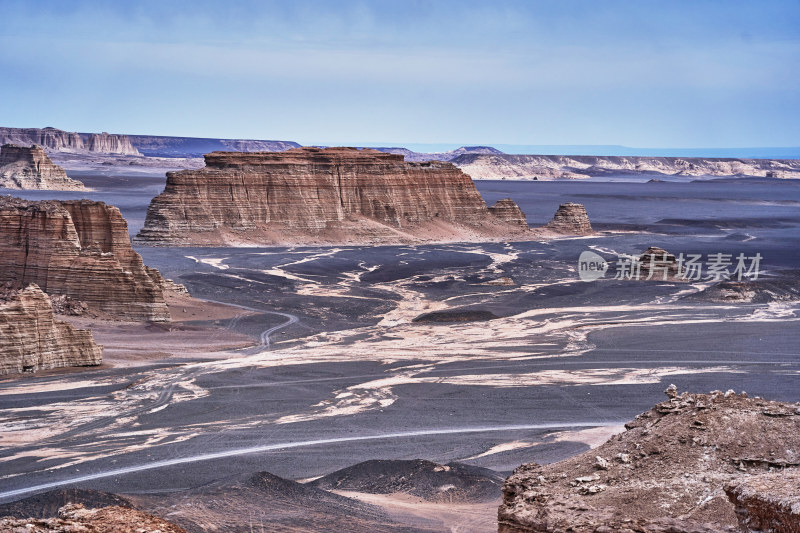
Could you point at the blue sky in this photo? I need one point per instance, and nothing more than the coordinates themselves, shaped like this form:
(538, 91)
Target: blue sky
(637, 73)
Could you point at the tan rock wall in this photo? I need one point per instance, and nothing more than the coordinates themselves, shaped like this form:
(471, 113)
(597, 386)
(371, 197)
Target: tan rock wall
(308, 192)
(28, 167)
(79, 249)
(32, 339)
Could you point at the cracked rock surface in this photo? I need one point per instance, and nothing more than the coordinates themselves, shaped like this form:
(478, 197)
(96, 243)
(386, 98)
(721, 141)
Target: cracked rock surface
(668, 472)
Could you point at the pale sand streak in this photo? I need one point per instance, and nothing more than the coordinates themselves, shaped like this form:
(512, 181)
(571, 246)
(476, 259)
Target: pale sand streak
(283, 446)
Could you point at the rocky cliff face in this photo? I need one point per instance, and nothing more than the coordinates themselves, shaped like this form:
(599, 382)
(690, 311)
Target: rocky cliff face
(31, 339)
(546, 167)
(571, 219)
(666, 472)
(106, 143)
(56, 140)
(311, 195)
(768, 502)
(23, 167)
(79, 249)
(508, 211)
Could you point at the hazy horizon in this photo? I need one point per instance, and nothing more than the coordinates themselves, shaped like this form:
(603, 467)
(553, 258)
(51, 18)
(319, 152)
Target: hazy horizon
(749, 152)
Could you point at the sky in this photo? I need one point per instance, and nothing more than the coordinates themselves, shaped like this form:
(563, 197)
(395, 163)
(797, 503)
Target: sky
(637, 73)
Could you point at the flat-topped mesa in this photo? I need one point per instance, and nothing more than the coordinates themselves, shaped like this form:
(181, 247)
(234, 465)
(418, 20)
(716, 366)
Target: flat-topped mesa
(313, 195)
(28, 167)
(79, 249)
(571, 219)
(31, 339)
(508, 211)
(55, 140)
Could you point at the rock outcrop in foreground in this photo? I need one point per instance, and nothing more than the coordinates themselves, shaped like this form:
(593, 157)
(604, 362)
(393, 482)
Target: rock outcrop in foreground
(74, 518)
(667, 472)
(23, 167)
(315, 196)
(768, 502)
(571, 219)
(79, 249)
(31, 339)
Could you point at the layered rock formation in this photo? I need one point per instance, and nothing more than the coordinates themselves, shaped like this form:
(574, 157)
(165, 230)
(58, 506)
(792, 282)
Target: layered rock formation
(571, 219)
(23, 167)
(75, 518)
(508, 211)
(106, 143)
(31, 339)
(666, 472)
(545, 167)
(56, 140)
(312, 195)
(657, 263)
(159, 146)
(79, 249)
(768, 502)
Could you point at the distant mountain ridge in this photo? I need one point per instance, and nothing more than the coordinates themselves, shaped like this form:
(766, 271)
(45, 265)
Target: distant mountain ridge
(410, 155)
(513, 162)
(56, 140)
(548, 167)
(161, 146)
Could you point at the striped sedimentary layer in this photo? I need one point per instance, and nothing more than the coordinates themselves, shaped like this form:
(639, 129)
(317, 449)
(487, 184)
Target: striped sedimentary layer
(28, 167)
(56, 140)
(79, 249)
(311, 195)
(32, 339)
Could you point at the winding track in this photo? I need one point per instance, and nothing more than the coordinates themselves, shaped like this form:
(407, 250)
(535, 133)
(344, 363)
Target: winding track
(265, 335)
(166, 393)
(288, 445)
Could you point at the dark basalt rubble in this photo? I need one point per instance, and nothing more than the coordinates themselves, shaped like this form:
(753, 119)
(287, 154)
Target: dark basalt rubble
(455, 315)
(453, 482)
(47, 504)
